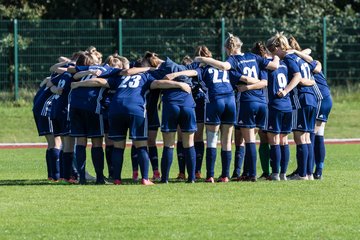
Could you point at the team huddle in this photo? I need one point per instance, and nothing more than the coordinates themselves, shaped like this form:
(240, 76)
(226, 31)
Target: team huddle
(276, 89)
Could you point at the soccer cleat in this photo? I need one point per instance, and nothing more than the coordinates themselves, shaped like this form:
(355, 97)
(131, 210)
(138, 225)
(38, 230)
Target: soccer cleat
(243, 178)
(310, 177)
(89, 177)
(146, 182)
(292, 174)
(235, 176)
(209, 180)
(198, 175)
(252, 179)
(117, 182)
(317, 177)
(223, 179)
(297, 177)
(275, 177)
(265, 176)
(190, 181)
(181, 176)
(283, 177)
(156, 176)
(135, 176)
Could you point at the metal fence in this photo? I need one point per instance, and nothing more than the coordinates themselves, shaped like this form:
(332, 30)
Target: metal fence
(29, 48)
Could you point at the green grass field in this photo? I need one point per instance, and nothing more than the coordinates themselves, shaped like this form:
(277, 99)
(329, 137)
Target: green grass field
(31, 208)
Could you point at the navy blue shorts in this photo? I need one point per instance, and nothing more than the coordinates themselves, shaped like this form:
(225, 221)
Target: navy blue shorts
(174, 115)
(279, 121)
(324, 110)
(61, 126)
(85, 123)
(120, 123)
(304, 119)
(153, 120)
(252, 115)
(44, 125)
(200, 110)
(221, 111)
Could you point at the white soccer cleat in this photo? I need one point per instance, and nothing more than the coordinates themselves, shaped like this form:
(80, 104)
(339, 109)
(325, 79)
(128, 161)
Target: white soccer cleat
(283, 177)
(297, 177)
(275, 177)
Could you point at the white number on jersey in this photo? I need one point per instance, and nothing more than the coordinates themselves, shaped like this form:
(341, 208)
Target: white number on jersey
(251, 72)
(282, 81)
(305, 69)
(60, 84)
(131, 82)
(216, 78)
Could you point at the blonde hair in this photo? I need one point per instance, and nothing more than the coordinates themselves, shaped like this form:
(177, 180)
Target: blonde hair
(202, 51)
(279, 40)
(95, 53)
(233, 43)
(294, 44)
(114, 60)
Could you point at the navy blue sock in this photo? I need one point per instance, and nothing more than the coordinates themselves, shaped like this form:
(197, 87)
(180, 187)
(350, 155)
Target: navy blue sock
(55, 168)
(166, 161)
(117, 159)
(143, 158)
(246, 167)
(134, 159)
(48, 163)
(154, 159)
(310, 162)
(67, 164)
(251, 152)
(108, 156)
(199, 149)
(239, 159)
(285, 157)
(210, 162)
(180, 156)
(190, 158)
(302, 155)
(225, 162)
(319, 154)
(61, 164)
(97, 156)
(81, 161)
(275, 155)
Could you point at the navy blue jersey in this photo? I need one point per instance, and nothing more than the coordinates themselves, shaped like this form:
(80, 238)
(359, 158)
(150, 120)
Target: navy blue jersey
(278, 80)
(89, 98)
(130, 95)
(320, 80)
(301, 95)
(217, 82)
(249, 64)
(43, 99)
(60, 102)
(174, 96)
(106, 70)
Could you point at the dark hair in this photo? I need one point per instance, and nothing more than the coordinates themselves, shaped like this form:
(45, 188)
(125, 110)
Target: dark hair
(202, 51)
(260, 49)
(85, 59)
(152, 58)
(186, 60)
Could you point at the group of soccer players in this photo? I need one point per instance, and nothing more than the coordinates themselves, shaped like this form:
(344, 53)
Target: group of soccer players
(274, 90)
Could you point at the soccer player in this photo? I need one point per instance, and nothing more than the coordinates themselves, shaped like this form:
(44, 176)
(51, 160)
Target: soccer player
(303, 100)
(178, 109)
(220, 112)
(279, 121)
(323, 111)
(252, 101)
(127, 111)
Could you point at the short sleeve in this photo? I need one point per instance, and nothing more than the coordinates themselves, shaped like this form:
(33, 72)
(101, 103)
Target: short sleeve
(263, 74)
(292, 66)
(114, 82)
(199, 73)
(262, 62)
(232, 62)
(82, 68)
(312, 65)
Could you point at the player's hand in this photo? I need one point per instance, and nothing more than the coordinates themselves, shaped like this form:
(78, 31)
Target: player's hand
(169, 76)
(96, 72)
(185, 87)
(290, 51)
(282, 93)
(242, 88)
(59, 90)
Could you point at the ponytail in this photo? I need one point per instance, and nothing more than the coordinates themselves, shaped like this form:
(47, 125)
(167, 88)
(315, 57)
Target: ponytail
(233, 43)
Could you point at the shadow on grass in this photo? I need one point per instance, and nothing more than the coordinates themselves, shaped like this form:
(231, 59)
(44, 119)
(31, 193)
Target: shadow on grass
(42, 182)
